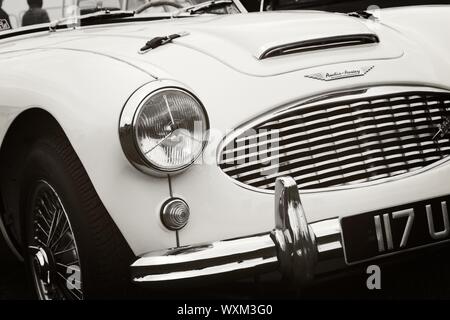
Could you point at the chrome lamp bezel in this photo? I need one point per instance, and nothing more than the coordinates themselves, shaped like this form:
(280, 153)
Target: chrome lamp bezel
(128, 120)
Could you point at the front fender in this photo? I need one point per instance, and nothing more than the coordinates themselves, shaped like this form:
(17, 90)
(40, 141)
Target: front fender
(86, 99)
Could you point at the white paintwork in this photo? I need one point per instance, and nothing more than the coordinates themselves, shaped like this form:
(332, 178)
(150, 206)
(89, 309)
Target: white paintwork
(83, 77)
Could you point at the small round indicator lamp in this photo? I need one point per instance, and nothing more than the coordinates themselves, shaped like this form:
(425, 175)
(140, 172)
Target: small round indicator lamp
(175, 214)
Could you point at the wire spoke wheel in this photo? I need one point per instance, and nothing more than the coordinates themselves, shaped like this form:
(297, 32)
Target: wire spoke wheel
(54, 257)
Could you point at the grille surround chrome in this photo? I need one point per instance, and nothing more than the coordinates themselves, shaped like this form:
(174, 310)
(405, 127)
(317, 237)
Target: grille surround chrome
(363, 94)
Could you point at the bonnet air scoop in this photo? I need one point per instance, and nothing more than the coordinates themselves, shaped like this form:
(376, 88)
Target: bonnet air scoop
(318, 44)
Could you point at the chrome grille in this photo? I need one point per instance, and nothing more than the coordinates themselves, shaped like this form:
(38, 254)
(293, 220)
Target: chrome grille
(345, 139)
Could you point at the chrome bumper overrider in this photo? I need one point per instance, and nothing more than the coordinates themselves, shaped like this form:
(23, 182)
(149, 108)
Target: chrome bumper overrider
(295, 248)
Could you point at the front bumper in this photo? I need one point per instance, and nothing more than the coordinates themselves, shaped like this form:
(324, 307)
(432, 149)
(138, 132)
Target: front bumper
(295, 248)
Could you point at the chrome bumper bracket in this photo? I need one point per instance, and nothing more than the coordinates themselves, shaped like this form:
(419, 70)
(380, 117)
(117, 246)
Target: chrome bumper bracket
(295, 241)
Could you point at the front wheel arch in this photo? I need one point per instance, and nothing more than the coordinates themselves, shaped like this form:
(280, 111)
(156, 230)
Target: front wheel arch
(23, 131)
(36, 141)
(28, 127)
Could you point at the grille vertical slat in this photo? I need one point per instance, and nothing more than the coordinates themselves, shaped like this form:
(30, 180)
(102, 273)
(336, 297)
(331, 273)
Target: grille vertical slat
(342, 142)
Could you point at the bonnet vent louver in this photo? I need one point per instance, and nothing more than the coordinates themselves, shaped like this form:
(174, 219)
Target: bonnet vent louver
(319, 44)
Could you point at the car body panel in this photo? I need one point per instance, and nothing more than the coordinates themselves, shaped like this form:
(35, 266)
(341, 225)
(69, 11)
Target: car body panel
(234, 87)
(77, 102)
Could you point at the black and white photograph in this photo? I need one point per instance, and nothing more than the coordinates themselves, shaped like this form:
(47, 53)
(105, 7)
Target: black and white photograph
(214, 151)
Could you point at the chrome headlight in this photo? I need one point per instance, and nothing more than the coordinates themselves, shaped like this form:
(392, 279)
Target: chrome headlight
(163, 130)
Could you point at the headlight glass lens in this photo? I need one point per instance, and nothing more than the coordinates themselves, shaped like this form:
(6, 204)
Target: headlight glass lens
(171, 129)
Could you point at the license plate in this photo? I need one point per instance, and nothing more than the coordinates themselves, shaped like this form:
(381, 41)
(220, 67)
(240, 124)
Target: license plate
(387, 231)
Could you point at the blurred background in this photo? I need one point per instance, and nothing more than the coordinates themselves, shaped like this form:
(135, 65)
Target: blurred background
(57, 9)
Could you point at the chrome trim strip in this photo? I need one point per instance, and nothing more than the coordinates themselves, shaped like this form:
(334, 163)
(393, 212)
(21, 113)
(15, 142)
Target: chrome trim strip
(207, 260)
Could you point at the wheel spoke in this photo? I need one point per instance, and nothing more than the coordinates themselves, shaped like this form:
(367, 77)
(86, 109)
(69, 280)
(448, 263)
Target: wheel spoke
(53, 249)
(45, 208)
(68, 265)
(64, 251)
(66, 229)
(33, 249)
(39, 240)
(42, 205)
(46, 220)
(67, 245)
(72, 289)
(42, 229)
(52, 228)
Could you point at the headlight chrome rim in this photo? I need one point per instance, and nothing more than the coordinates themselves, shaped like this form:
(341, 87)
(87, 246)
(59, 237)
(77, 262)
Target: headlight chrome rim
(127, 122)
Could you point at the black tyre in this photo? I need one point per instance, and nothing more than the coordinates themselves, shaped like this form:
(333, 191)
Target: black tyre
(73, 248)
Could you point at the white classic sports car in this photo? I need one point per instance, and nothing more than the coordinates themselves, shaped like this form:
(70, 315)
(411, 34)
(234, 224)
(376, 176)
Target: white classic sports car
(193, 145)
